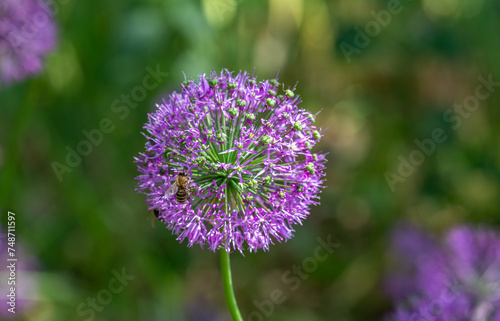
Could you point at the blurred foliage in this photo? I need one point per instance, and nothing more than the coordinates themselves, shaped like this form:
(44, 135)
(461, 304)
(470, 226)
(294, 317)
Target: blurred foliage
(393, 91)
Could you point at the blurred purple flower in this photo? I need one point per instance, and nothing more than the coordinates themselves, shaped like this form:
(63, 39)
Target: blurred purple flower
(27, 35)
(247, 152)
(457, 279)
(25, 285)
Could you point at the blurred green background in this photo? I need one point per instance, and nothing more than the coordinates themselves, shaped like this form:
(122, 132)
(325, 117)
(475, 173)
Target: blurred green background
(398, 86)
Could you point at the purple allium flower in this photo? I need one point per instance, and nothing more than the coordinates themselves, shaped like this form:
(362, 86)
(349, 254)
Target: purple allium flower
(27, 35)
(246, 151)
(454, 280)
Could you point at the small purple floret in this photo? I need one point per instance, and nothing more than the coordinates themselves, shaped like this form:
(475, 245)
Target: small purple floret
(247, 151)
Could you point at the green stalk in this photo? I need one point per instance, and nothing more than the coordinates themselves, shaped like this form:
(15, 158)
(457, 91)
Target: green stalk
(228, 286)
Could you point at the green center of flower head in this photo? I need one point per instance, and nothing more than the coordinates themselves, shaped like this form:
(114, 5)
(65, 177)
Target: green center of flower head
(236, 147)
(245, 148)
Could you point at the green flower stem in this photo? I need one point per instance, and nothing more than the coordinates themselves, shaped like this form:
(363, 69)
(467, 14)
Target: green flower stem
(228, 286)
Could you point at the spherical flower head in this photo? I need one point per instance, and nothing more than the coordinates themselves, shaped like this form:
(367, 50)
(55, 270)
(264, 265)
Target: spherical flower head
(27, 35)
(229, 162)
(455, 279)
